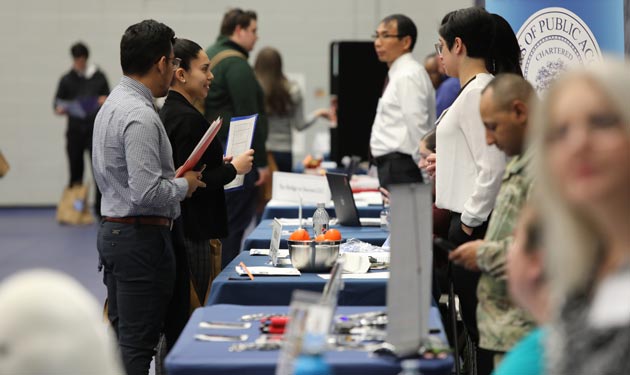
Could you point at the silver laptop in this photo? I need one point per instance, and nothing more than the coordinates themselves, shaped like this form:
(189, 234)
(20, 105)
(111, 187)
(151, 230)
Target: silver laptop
(345, 207)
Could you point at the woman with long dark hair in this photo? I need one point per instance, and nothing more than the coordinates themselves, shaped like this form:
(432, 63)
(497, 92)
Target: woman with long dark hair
(473, 45)
(284, 106)
(204, 215)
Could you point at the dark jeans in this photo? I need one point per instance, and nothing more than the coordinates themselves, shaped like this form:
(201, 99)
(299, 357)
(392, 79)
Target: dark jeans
(178, 310)
(284, 160)
(78, 141)
(241, 207)
(139, 266)
(395, 168)
(464, 281)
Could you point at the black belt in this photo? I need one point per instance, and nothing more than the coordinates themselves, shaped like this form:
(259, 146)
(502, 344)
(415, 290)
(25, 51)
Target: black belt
(391, 156)
(142, 220)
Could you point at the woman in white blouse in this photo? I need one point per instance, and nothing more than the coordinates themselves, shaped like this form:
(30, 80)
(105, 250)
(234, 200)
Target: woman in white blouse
(473, 45)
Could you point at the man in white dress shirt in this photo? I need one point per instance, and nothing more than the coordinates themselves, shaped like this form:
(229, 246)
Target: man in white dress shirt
(406, 110)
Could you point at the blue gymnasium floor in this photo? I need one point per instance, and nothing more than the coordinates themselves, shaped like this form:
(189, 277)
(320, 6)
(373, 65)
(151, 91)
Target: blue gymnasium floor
(32, 238)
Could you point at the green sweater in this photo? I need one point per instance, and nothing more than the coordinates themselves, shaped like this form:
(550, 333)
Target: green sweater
(235, 92)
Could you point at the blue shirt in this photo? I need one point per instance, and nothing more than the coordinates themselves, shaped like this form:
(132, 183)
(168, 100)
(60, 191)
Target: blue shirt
(132, 156)
(526, 357)
(445, 94)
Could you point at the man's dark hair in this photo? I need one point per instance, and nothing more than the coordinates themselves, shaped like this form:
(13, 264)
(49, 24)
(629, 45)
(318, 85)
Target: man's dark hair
(406, 27)
(143, 44)
(186, 50)
(236, 17)
(79, 49)
(486, 36)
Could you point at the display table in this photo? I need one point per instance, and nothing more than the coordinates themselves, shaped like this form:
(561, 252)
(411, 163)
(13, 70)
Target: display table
(228, 287)
(260, 237)
(191, 357)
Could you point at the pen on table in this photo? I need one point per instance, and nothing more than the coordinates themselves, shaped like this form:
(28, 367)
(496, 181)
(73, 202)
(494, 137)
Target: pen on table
(244, 267)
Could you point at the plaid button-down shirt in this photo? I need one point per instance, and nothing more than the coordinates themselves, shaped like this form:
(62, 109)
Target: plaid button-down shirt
(132, 156)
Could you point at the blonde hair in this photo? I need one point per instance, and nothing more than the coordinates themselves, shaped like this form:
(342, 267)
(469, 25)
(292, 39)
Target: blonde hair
(571, 241)
(52, 325)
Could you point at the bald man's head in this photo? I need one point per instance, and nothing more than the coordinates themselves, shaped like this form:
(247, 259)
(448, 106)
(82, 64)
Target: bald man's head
(504, 109)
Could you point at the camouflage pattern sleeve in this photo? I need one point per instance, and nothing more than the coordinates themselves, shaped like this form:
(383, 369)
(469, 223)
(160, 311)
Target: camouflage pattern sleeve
(491, 257)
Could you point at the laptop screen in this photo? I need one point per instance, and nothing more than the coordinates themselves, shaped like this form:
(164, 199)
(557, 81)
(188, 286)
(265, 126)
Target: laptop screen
(345, 208)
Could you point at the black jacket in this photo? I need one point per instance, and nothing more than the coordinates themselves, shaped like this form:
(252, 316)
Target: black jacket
(205, 213)
(73, 86)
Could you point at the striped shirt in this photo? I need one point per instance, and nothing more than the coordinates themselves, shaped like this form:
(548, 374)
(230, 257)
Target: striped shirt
(132, 156)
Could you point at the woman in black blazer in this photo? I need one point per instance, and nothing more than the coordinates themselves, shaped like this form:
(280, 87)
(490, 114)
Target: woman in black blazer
(204, 215)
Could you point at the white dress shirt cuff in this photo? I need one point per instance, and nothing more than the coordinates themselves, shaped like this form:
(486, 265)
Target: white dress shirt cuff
(470, 221)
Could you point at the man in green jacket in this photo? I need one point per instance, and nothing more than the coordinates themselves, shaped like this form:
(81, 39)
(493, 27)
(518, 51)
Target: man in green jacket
(236, 92)
(504, 108)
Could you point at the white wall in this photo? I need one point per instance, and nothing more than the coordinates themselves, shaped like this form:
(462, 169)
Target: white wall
(36, 36)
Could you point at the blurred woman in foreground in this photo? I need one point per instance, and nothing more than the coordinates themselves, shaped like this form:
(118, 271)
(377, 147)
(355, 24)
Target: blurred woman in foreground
(582, 136)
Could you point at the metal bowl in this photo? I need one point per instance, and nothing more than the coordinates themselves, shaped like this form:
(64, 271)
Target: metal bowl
(311, 256)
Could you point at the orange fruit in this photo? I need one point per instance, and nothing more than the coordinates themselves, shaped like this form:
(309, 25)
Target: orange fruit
(320, 238)
(332, 235)
(300, 234)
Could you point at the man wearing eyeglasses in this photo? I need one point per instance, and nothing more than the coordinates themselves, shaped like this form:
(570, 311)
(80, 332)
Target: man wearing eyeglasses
(406, 110)
(133, 168)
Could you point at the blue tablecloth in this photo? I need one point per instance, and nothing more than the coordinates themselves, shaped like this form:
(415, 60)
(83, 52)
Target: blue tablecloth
(277, 290)
(260, 237)
(291, 211)
(191, 357)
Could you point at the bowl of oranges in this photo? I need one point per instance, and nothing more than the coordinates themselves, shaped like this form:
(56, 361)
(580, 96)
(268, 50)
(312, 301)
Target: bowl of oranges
(317, 254)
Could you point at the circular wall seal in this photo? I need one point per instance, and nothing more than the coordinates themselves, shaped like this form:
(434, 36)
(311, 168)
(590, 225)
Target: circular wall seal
(552, 40)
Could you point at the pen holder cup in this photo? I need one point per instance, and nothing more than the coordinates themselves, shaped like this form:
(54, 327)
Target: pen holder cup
(312, 256)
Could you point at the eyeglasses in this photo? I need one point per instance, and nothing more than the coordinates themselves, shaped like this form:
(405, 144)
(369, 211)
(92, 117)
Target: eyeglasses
(438, 48)
(385, 36)
(176, 62)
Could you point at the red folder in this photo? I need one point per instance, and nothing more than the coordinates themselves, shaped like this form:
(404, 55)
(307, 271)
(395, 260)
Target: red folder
(201, 147)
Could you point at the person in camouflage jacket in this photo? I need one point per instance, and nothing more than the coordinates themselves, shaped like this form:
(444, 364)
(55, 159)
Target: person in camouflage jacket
(504, 109)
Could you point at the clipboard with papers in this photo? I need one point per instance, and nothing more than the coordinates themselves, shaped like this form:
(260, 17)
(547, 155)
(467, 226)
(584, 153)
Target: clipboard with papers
(80, 107)
(201, 147)
(239, 140)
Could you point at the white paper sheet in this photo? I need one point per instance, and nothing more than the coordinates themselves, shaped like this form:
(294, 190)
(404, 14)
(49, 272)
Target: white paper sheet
(369, 275)
(366, 198)
(370, 221)
(268, 271)
(240, 137)
(307, 222)
(380, 256)
(282, 253)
